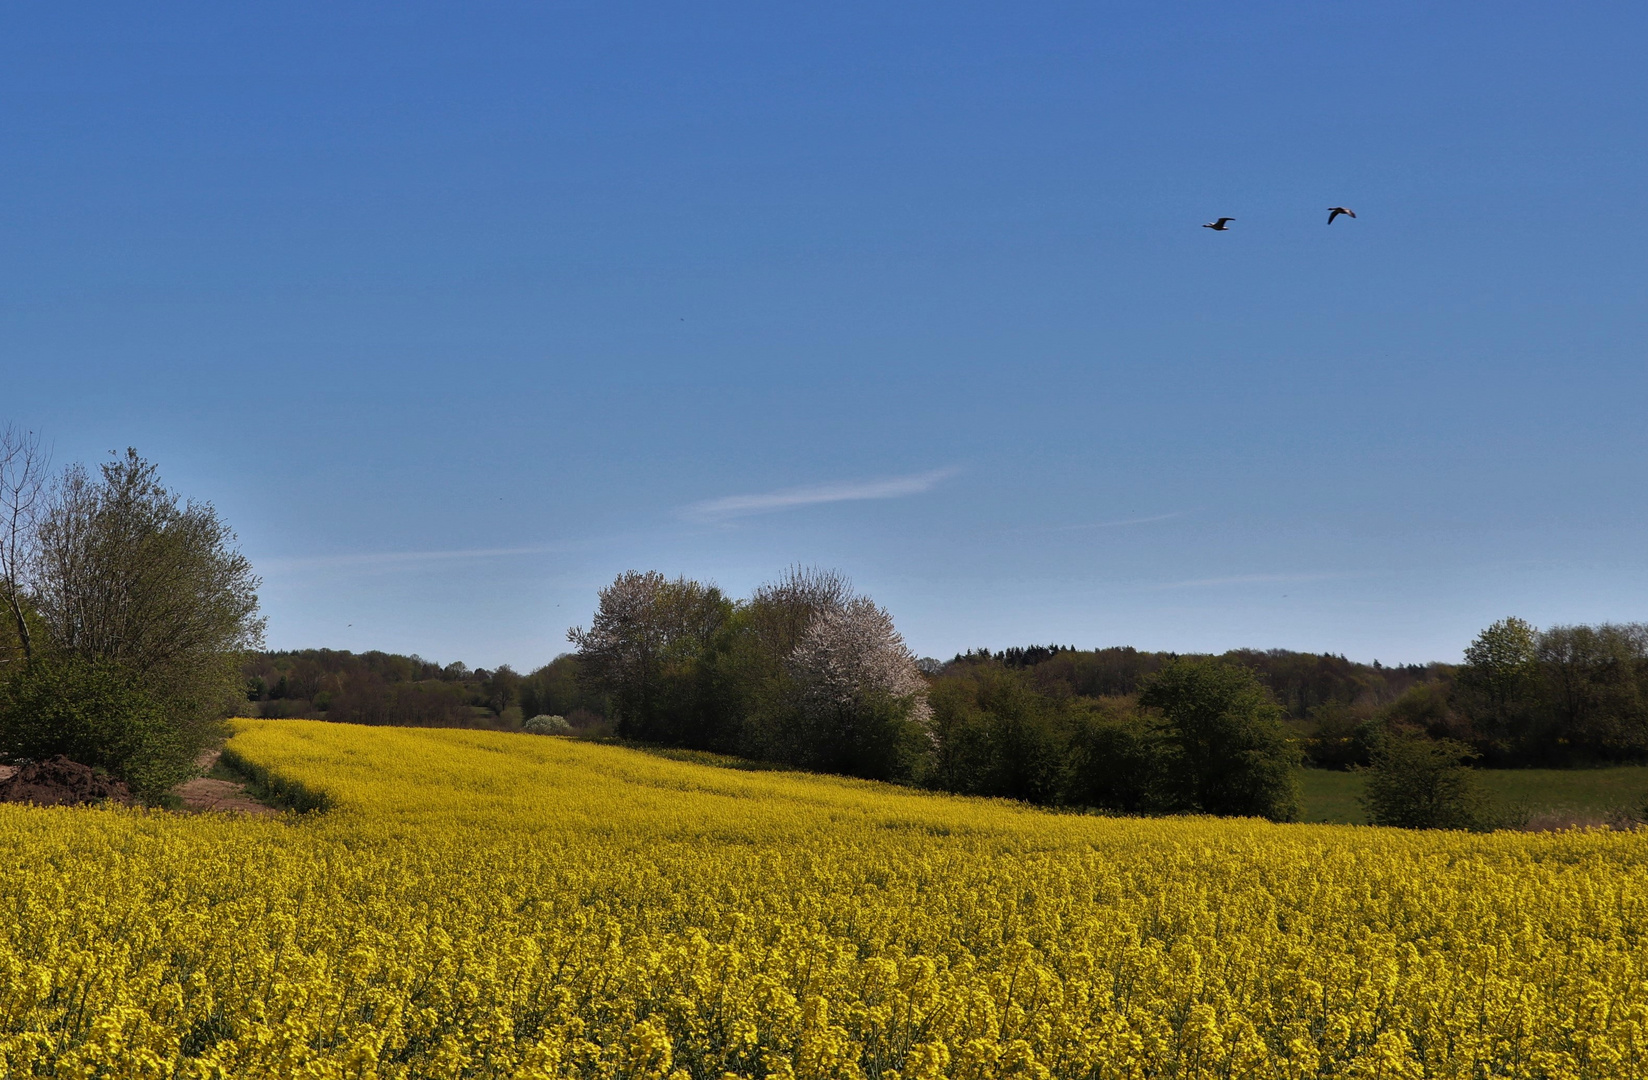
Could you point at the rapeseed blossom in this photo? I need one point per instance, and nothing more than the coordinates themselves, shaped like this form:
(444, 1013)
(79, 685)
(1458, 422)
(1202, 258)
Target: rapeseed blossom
(479, 904)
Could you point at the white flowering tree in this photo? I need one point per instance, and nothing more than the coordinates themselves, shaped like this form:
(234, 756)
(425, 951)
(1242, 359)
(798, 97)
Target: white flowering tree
(861, 700)
(805, 672)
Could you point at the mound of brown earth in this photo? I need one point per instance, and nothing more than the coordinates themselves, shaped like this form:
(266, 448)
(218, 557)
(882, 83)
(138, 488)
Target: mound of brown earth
(60, 782)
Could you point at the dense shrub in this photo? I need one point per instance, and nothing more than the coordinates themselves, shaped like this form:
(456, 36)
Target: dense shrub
(95, 714)
(544, 724)
(1420, 783)
(126, 572)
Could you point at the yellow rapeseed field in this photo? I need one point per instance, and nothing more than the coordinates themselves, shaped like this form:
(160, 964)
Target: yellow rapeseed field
(479, 904)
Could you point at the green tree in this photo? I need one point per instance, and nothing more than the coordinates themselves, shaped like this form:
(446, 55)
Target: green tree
(500, 689)
(1341, 735)
(1117, 761)
(556, 690)
(1426, 707)
(1498, 684)
(754, 682)
(994, 734)
(126, 578)
(646, 650)
(1593, 681)
(1229, 751)
(961, 740)
(781, 612)
(1420, 783)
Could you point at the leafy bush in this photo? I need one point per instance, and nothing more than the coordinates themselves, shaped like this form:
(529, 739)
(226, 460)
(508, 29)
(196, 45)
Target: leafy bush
(1420, 783)
(96, 714)
(548, 725)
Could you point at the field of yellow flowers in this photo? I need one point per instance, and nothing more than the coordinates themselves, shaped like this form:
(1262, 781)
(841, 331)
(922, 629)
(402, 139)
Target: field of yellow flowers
(478, 904)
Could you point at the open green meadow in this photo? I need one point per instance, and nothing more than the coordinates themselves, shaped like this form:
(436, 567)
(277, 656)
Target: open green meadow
(1546, 795)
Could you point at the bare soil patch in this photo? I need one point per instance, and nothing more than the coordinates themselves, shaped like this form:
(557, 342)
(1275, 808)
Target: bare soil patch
(205, 793)
(60, 782)
(218, 792)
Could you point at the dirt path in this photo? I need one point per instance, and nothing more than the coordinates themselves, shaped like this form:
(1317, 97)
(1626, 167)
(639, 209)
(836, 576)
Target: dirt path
(208, 793)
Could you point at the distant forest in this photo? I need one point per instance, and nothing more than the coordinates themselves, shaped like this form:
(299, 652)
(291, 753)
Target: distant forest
(409, 691)
(1565, 696)
(1302, 683)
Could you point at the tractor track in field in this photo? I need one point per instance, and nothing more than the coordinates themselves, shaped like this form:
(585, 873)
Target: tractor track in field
(207, 793)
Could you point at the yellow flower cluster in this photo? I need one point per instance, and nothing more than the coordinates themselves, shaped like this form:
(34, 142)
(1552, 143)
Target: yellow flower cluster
(489, 905)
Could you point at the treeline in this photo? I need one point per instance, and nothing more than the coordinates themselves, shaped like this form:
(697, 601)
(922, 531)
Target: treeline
(127, 617)
(678, 663)
(1124, 730)
(808, 673)
(1560, 697)
(1199, 735)
(1565, 695)
(1302, 683)
(409, 691)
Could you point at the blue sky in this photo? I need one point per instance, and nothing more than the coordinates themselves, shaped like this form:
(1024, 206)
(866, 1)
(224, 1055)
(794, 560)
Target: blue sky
(456, 311)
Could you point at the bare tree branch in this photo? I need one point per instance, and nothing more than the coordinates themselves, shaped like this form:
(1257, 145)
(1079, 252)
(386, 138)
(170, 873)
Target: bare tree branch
(23, 465)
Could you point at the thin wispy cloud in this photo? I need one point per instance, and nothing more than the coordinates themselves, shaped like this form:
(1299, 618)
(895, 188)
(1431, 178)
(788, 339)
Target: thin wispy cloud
(1245, 579)
(1123, 522)
(894, 487)
(383, 560)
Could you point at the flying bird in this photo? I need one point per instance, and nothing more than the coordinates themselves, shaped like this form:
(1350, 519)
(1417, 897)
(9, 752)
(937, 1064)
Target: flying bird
(1335, 211)
(1220, 226)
